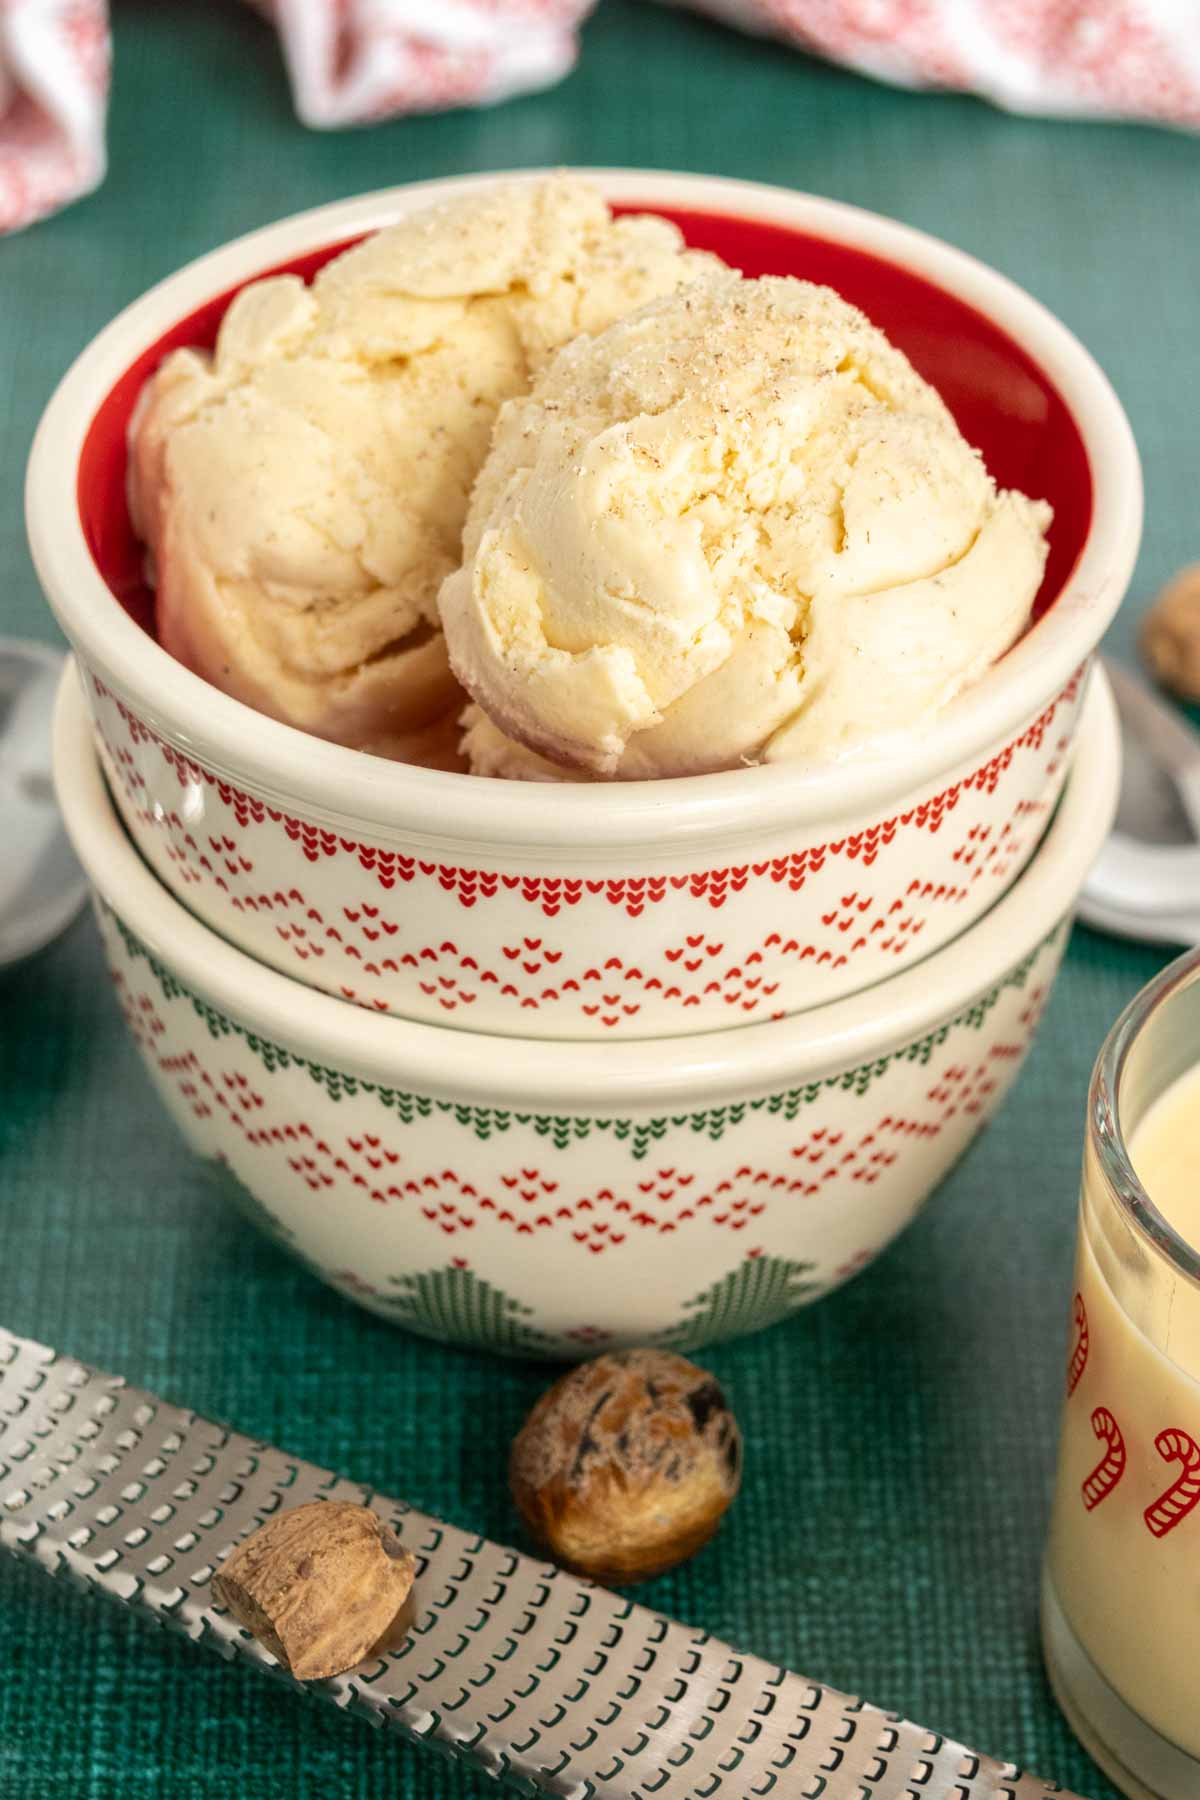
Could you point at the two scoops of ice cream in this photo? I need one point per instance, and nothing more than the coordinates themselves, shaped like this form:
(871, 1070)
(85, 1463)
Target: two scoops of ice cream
(650, 518)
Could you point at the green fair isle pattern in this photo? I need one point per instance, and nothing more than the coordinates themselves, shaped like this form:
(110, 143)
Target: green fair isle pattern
(641, 1135)
(458, 1307)
(759, 1292)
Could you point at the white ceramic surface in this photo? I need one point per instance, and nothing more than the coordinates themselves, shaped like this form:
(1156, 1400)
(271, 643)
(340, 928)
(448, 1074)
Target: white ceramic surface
(629, 911)
(547, 1198)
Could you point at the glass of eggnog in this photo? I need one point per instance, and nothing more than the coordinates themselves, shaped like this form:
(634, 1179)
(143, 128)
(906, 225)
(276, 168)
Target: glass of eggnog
(1121, 1594)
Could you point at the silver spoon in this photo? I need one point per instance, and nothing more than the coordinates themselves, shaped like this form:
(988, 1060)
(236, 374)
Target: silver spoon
(1146, 881)
(41, 885)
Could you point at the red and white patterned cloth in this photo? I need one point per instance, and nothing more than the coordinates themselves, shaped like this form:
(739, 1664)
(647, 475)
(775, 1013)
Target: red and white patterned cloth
(1124, 59)
(54, 58)
(353, 61)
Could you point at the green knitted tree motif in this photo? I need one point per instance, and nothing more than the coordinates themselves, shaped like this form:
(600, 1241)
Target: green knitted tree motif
(760, 1291)
(459, 1307)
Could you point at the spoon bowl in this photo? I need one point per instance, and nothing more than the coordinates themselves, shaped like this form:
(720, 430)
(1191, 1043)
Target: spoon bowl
(41, 884)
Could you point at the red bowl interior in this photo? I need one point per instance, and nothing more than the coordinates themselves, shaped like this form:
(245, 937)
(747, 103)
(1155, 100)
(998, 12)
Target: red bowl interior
(1004, 403)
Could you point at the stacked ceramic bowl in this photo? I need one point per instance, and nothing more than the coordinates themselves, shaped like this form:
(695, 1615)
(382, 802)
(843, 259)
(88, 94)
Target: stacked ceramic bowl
(545, 1068)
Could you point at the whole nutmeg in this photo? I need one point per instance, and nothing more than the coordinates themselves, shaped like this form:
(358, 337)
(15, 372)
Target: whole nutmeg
(321, 1586)
(626, 1465)
(1170, 635)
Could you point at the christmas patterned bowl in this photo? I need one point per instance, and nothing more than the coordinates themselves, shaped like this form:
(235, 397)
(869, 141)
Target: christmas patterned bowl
(547, 1198)
(633, 910)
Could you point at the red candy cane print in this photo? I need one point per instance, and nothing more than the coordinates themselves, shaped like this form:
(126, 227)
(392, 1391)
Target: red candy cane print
(1109, 1470)
(1079, 1354)
(1182, 1495)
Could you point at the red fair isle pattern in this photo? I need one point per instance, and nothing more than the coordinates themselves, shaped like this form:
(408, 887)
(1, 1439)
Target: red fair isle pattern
(368, 946)
(632, 894)
(710, 1222)
(365, 1168)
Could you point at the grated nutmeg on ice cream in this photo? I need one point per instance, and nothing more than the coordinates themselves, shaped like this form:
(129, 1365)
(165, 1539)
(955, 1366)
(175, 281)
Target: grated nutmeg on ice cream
(736, 526)
(302, 489)
(654, 518)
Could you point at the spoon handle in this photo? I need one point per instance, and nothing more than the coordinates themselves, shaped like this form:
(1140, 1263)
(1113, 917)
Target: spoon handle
(555, 1685)
(1165, 732)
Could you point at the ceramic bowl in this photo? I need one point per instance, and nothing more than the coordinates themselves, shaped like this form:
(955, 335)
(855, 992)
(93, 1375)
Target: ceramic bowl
(626, 911)
(546, 1198)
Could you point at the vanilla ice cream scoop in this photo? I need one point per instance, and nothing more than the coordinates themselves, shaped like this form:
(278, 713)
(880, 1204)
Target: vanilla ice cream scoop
(735, 526)
(302, 491)
(486, 751)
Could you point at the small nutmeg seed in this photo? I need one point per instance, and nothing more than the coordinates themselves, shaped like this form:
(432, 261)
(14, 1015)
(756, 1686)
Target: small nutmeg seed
(627, 1464)
(320, 1586)
(1170, 635)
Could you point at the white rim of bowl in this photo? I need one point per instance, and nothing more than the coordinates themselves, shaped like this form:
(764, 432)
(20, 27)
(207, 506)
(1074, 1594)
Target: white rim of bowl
(346, 786)
(545, 1076)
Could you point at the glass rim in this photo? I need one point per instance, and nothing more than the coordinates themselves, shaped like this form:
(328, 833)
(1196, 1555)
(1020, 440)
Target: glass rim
(1105, 1131)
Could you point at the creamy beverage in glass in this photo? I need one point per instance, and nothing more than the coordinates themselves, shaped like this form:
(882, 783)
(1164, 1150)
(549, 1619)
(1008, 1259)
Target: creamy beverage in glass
(1121, 1598)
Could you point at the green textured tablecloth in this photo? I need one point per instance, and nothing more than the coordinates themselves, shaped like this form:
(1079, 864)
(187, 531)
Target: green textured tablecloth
(900, 1436)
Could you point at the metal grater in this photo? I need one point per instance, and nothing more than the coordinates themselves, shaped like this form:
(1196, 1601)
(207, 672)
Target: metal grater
(552, 1684)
